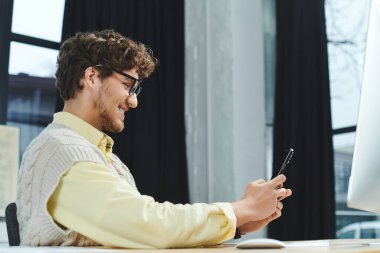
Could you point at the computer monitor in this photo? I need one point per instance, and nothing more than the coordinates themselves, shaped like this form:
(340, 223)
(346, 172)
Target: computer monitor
(364, 184)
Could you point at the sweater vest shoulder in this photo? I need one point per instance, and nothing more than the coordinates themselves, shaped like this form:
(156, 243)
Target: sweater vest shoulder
(45, 161)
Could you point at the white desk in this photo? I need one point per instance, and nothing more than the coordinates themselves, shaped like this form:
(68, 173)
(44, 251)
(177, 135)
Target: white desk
(336, 246)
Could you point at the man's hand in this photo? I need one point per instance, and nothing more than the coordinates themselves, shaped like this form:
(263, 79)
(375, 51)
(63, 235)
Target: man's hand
(252, 226)
(260, 200)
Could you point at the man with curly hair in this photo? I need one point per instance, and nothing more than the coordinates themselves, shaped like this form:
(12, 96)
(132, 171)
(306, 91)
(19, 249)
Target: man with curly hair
(73, 191)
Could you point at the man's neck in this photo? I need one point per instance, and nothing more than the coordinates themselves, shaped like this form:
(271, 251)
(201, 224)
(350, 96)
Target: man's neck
(82, 112)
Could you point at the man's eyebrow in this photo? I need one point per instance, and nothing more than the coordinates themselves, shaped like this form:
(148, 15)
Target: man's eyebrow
(126, 79)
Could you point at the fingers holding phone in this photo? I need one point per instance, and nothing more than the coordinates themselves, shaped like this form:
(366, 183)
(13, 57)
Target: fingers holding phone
(278, 183)
(281, 171)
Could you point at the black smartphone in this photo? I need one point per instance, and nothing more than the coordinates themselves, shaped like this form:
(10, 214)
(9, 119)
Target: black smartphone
(286, 161)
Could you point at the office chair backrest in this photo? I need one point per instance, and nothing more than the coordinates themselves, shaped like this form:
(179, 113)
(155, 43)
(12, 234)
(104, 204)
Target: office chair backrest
(12, 225)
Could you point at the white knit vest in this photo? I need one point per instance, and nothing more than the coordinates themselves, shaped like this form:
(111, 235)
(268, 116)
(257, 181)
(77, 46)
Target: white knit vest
(45, 161)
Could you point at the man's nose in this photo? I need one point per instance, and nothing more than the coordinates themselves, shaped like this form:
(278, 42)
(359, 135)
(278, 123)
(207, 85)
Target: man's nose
(132, 101)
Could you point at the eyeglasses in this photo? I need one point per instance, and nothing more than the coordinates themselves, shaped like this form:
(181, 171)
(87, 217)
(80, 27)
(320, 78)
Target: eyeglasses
(135, 89)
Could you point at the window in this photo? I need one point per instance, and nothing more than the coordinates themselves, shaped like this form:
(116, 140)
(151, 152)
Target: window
(35, 36)
(30, 18)
(32, 60)
(369, 234)
(347, 235)
(346, 25)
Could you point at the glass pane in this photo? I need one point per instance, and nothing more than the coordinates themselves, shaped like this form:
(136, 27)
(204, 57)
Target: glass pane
(346, 24)
(343, 151)
(31, 104)
(368, 234)
(32, 60)
(346, 218)
(346, 235)
(27, 134)
(38, 18)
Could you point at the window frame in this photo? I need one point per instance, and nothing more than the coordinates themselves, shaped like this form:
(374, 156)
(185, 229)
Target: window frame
(6, 37)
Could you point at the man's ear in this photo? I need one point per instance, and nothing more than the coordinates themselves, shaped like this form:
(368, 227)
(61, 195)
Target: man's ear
(90, 74)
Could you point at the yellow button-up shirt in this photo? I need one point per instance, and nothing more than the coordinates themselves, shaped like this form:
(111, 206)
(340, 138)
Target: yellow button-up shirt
(94, 202)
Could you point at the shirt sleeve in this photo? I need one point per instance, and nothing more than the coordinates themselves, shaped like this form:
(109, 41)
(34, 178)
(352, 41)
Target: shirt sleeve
(93, 202)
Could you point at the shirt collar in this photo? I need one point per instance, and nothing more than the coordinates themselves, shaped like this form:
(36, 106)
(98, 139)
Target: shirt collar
(93, 135)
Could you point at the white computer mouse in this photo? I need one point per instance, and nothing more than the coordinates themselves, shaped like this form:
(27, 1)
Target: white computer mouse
(260, 243)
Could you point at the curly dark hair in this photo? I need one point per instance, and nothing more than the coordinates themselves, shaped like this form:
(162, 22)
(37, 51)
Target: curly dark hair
(106, 47)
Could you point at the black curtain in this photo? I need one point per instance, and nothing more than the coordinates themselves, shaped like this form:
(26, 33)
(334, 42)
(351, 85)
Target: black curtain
(153, 143)
(303, 122)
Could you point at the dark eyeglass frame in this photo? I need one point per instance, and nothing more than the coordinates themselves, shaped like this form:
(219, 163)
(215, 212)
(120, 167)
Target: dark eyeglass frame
(135, 89)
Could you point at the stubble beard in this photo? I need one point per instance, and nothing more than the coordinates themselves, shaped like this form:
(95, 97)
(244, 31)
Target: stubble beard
(106, 121)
